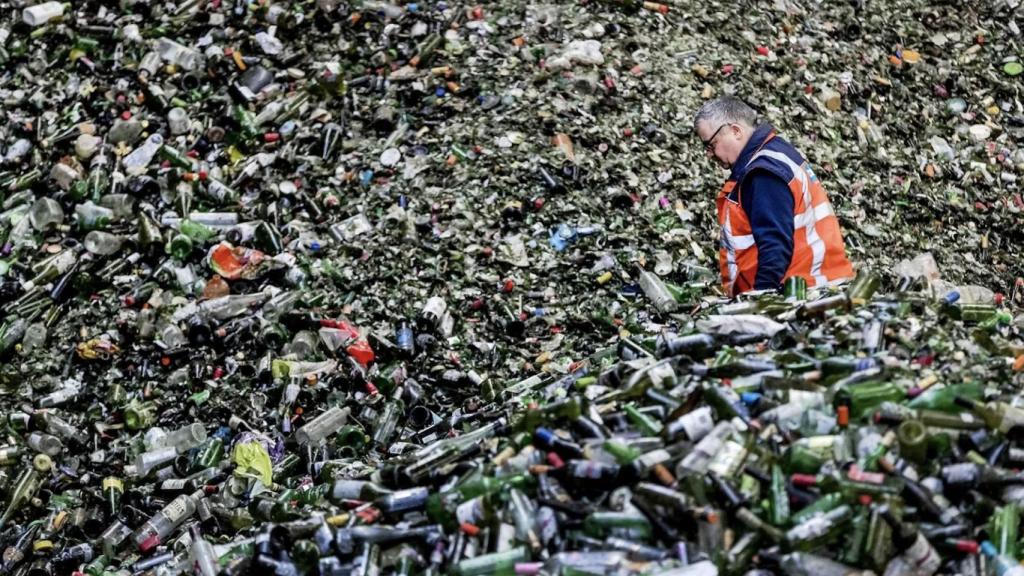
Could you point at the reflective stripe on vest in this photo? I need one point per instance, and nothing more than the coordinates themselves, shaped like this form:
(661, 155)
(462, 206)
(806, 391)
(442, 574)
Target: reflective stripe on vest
(730, 243)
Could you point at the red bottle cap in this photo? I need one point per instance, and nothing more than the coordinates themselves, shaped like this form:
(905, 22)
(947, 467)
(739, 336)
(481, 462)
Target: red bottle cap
(843, 416)
(803, 480)
(967, 546)
(555, 460)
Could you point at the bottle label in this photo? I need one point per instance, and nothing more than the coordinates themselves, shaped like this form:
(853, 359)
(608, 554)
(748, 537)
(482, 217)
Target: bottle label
(433, 310)
(470, 511)
(1013, 417)
(404, 337)
(83, 553)
(547, 524)
(649, 459)
(697, 460)
(960, 473)
(347, 490)
(585, 469)
(968, 418)
(809, 530)
(784, 413)
(177, 509)
(406, 499)
(697, 424)
(921, 557)
(174, 484)
(821, 442)
(727, 461)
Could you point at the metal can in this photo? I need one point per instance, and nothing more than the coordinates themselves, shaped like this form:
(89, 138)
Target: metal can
(795, 288)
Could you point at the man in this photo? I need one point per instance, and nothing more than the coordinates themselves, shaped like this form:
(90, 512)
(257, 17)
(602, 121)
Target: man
(776, 221)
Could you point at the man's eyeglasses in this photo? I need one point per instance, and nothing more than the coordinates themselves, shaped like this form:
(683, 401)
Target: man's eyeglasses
(709, 144)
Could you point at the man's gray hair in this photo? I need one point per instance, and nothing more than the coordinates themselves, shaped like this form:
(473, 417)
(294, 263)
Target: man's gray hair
(725, 110)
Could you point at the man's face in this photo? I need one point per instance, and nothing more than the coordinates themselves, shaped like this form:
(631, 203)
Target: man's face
(723, 142)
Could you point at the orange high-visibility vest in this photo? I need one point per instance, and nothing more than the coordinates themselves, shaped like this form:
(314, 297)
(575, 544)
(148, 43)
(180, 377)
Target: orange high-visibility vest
(819, 254)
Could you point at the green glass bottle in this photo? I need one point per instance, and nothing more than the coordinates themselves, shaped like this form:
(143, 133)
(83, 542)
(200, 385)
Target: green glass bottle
(481, 485)
(24, 488)
(944, 399)
(975, 313)
(856, 537)
(498, 563)
(739, 556)
(999, 416)
(819, 530)
(623, 453)
(210, 454)
(998, 318)
(646, 424)
(808, 455)
(306, 554)
(950, 420)
(863, 287)
(246, 121)
(268, 238)
(864, 396)
(778, 504)
(139, 415)
(1004, 528)
(914, 549)
(913, 438)
(199, 233)
(754, 522)
(820, 506)
(148, 230)
(175, 157)
(98, 566)
(350, 436)
(842, 483)
(633, 526)
(386, 421)
(180, 247)
(113, 489)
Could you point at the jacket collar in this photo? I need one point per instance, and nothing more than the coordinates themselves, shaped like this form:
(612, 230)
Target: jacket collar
(757, 140)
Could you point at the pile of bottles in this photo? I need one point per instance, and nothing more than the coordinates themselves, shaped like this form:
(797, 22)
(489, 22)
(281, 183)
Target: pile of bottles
(325, 287)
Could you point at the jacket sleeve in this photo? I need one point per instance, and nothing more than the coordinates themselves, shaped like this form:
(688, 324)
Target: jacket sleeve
(768, 202)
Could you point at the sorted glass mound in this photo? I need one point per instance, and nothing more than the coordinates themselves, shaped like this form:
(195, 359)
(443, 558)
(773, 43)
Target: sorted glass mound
(330, 287)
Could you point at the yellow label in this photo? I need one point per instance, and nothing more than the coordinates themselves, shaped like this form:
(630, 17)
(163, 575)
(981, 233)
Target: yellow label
(927, 382)
(339, 520)
(111, 483)
(59, 519)
(42, 545)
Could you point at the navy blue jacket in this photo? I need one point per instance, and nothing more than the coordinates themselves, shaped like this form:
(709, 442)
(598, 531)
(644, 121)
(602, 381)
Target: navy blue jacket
(768, 202)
